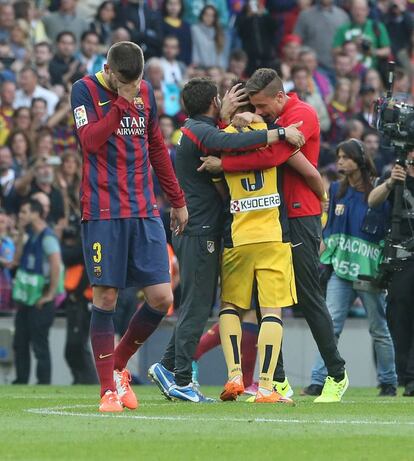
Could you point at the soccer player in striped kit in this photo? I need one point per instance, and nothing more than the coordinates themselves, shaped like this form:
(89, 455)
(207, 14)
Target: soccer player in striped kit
(123, 237)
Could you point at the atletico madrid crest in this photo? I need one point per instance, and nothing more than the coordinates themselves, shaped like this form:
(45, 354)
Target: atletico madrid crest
(210, 246)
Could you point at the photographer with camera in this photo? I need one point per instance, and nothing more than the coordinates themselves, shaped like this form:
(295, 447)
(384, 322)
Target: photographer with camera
(352, 239)
(401, 289)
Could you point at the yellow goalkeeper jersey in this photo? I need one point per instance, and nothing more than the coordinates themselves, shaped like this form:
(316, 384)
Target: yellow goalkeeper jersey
(256, 210)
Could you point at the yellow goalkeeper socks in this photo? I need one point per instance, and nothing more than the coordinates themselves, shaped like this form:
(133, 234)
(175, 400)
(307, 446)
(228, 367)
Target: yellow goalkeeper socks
(269, 341)
(230, 335)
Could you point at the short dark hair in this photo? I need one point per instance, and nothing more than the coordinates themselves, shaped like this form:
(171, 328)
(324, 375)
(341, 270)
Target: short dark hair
(264, 79)
(299, 68)
(86, 34)
(43, 43)
(198, 94)
(35, 100)
(35, 206)
(238, 55)
(60, 35)
(127, 59)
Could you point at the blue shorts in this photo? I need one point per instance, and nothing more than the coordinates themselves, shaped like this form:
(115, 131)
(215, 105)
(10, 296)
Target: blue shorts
(123, 253)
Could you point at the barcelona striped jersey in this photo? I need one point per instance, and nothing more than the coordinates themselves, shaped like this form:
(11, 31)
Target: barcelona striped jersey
(120, 140)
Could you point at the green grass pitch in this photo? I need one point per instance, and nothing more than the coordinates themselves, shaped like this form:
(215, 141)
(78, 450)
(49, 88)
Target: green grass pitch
(62, 423)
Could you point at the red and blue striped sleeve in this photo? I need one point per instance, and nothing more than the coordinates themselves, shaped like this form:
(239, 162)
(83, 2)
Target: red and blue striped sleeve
(93, 132)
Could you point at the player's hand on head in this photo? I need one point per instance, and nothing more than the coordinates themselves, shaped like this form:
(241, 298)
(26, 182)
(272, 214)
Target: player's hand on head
(211, 164)
(232, 100)
(178, 220)
(294, 136)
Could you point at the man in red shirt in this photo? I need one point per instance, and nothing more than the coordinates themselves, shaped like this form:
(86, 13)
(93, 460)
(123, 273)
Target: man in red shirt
(266, 93)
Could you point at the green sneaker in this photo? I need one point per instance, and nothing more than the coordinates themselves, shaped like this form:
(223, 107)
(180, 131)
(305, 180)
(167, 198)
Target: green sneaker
(332, 391)
(283, 388)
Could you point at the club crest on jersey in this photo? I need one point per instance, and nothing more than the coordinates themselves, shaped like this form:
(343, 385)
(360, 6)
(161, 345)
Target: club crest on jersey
(210, 246)
(139, 103)
(339, 209)
(97, 270)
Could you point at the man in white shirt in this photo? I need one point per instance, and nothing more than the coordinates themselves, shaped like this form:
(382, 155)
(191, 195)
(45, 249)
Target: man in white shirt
(29, 89)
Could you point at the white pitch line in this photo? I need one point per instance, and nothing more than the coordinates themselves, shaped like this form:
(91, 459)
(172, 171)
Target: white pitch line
(59, 411)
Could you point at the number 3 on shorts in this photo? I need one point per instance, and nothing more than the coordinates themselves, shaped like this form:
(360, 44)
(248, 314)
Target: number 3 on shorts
(97, 248)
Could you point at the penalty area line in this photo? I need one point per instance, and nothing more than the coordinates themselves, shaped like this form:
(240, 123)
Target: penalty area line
(62, 411)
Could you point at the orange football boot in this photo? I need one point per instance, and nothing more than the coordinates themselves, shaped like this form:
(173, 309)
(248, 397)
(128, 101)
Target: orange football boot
(125, 392)
(110, 403)
(232, 389)
(274, 397)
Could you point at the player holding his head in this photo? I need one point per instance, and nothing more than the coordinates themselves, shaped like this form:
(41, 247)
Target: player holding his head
(123, 237)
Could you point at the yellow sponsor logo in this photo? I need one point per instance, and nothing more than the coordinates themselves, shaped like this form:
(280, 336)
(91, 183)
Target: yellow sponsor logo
(103, 103)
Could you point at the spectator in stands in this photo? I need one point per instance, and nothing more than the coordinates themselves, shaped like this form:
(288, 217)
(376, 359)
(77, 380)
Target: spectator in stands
(7, 95)
(7, 18)
(290, 48)
(37, 282)
(7, 250)
(38, 112)
(143, 24)
(382, 158)
(399, 24)
(64, 64)
(61, 124)
(316, 26)
(66, 18)
(173, 24)
(174, 71)
(40, 178)
(368, 96)
(256, 29)
(29, 89)
(43, 143)
(343, 67)
(154, 73)
(208, 39)
(406, 59)
(350, 48)
(103, 24)
(19, 144)
(167, 128)
(88, 56)
(216, 74)
(42, 56)
(402, 85)
(238, 64)
(300, 78)
(354, 129)
(309, 58)
(193, 10)
(27, 11)
(372, 78)
(371, 36)
(340, 111)
(120, 34)
(22, 119)
(20, 42)
(69, 180)
(7, 180)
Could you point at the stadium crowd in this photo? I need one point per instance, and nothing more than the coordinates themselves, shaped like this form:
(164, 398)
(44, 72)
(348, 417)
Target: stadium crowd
(333, 54)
